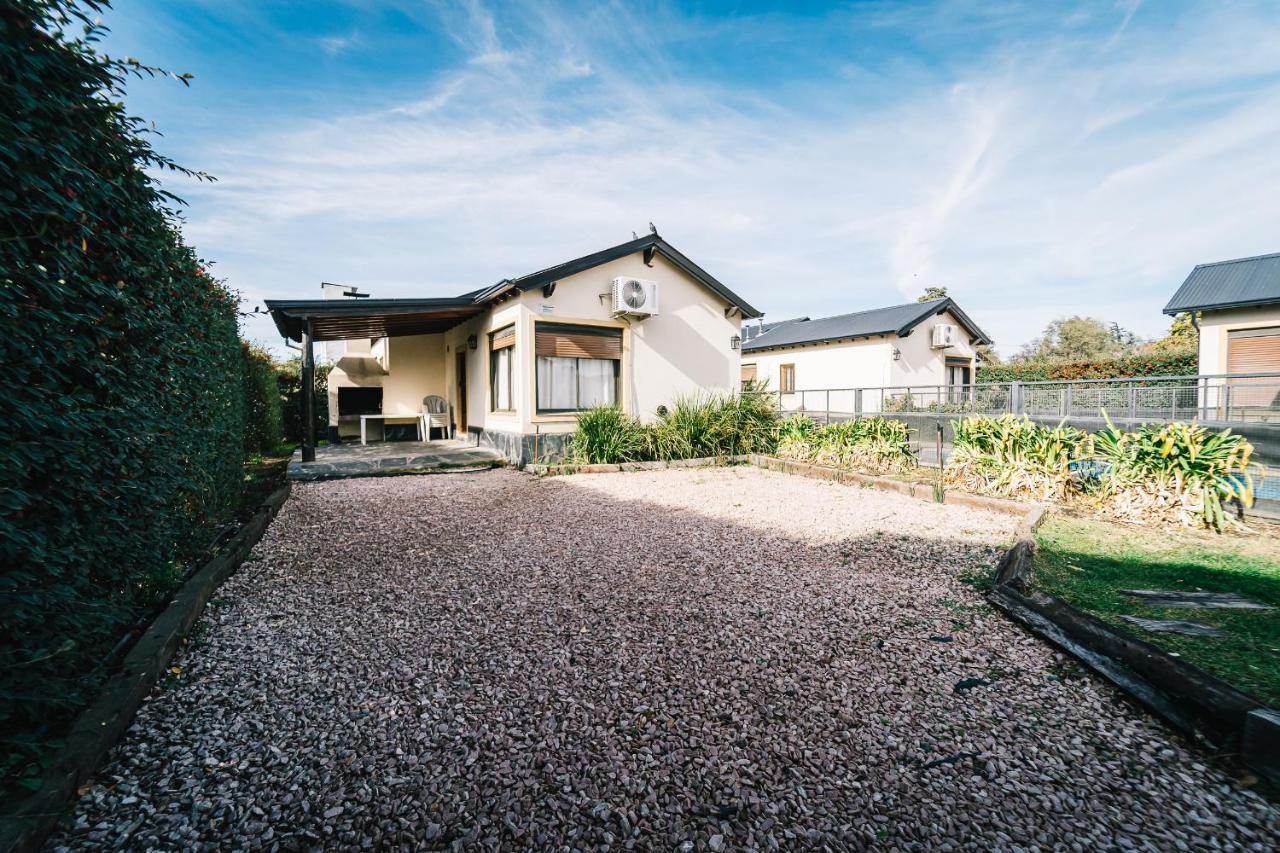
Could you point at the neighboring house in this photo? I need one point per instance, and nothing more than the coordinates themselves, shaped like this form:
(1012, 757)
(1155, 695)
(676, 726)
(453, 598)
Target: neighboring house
(1238, 303)
(636, 325)
(925, 346)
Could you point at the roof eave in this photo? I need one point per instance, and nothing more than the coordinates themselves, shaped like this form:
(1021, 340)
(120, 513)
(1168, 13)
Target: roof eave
(1172, 309)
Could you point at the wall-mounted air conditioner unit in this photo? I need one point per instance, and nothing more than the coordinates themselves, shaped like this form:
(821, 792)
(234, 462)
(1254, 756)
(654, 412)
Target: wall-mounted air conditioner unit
(635, 296)
(945, 335)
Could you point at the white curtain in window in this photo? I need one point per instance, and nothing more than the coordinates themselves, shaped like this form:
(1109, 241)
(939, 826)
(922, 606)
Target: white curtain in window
(595, 382)
(502, 379)
(557, 383)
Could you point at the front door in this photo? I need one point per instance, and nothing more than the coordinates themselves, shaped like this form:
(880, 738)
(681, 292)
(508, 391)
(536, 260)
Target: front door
(460, 374)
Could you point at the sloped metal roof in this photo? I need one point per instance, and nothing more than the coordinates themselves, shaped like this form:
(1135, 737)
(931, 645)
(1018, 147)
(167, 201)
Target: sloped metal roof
(352, 318)
(893, 320)
(1229, 284)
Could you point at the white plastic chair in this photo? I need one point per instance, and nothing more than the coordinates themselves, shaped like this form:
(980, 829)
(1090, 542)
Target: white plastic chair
(435, 413)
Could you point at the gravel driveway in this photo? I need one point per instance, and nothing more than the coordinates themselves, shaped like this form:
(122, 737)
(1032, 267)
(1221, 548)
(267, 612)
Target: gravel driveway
(684, 659)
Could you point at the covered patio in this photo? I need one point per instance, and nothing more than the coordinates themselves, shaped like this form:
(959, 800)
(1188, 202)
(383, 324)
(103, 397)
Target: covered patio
(337, 461)
(358, 323)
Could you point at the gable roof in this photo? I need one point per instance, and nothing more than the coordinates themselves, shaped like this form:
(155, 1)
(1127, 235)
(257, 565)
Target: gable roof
(1229, 284)
(895, 320)
(335, 319)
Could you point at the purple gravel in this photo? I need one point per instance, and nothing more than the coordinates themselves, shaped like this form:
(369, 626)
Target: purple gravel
(684, 659)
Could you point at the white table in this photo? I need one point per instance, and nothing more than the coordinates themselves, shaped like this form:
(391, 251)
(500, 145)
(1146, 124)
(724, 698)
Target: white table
(364, 420)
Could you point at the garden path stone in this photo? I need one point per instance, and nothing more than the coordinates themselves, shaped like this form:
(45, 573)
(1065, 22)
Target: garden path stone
(484, 660)
(1178, 598)
(1174, 626)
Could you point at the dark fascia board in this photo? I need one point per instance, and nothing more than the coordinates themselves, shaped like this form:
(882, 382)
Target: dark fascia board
(296, 310)
(1219, 306)
(595, 259)
(818, 341)
(979, 336)
(289, 314)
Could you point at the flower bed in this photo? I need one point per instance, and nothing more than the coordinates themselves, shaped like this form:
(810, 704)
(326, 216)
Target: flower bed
(1167, 473)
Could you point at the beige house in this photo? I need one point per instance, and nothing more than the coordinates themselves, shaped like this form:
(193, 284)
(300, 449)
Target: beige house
(1238, 307)
(634, 325)
(922, 349)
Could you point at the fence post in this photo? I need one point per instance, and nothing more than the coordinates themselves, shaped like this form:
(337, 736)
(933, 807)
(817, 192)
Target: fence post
(828, 405)
(1133, 400)
(857, 401)
(1015, 397)
(1226, 401)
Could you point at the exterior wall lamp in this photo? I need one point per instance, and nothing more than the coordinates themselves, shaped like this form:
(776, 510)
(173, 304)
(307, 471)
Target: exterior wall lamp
(472, 342)
(897, 354)
(735, 342)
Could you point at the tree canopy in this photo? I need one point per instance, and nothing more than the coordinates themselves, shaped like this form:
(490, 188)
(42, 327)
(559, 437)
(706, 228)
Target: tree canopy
(1079, 338)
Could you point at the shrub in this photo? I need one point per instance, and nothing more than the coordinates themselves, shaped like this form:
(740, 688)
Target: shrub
(872, 443)
(263, 432)
(692, 428)
(1170, 363)
(1172, 472)
(1177, 471)
(289, 382)
(1012, 456)
(125, 408)
(715, 425)
(605, 435)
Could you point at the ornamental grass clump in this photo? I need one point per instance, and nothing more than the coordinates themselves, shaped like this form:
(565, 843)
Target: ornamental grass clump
(1177, 472)
(870, 444)
(714, 425)
(606, 435)
(1014, 457)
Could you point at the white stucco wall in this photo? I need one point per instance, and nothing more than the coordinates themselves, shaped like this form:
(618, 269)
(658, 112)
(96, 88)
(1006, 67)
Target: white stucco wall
(867, 363)
(682, 350)
(1215, 326)
(920, 363)
(415, 368)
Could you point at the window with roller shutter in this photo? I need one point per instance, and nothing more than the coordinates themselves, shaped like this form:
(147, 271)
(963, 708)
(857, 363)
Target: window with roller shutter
(576, 367)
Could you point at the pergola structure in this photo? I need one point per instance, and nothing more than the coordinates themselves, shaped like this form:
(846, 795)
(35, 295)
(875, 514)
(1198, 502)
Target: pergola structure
(310, 321)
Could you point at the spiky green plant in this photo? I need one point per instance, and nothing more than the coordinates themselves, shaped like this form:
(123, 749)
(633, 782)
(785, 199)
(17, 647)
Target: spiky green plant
(871, 443)
(1181, 469)
(606, 435)
(1014, 456)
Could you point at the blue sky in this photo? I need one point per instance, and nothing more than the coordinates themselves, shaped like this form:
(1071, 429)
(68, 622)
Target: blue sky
(1038, 159)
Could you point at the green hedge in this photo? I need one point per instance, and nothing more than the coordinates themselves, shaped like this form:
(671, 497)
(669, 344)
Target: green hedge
(1178, 363)
(264, 416)
(125, 414)
(289, 382)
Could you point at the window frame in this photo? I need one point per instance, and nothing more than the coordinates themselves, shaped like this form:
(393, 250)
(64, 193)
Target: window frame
(785, 372)
(603, 331)
(494, 361)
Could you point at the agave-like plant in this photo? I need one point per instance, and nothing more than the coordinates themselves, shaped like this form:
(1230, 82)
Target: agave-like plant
(1182, 468)
(870, 443)
(1014, 456)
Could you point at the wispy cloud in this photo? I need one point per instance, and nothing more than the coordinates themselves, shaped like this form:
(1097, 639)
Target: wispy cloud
(1061, 166)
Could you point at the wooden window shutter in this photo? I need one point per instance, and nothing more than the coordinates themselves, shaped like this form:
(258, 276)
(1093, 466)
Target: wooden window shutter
(503, 338)
(1253, 351)
(577, 342)
(787, 378)
(748, 373)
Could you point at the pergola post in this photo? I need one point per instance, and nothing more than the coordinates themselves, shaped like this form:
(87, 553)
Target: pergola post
(308, 394)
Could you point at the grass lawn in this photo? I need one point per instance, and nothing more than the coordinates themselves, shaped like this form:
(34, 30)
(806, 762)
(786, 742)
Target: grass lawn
(1086, 562)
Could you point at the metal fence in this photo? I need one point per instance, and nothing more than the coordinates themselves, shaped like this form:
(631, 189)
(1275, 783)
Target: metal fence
(1226, 398)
